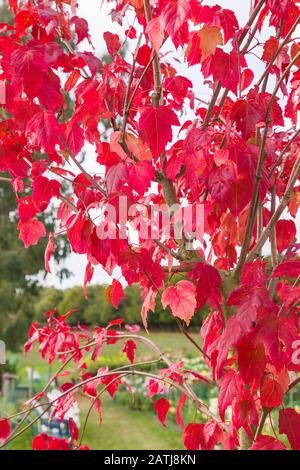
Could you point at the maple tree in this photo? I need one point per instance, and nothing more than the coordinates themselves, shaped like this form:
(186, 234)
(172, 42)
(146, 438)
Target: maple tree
(236, 156)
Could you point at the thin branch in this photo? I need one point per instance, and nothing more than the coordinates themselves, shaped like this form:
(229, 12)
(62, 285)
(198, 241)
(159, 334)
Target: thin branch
(80, 167)
(285, 199)
(126, 108)
(157, 95)
(240, 41)
(190, 338)
(274, 254)
(168, 250)
(285, 149)
(261, 423)
(212, 105)
(284, 42)
(5, 180)
(293, 384)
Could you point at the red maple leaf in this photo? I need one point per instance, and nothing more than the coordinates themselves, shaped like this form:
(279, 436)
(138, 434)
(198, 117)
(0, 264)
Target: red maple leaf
(156, 126)
(267, 443)
(162, 407)
(289, 424)
(31, 232)
(43, 130)
(181, 299)
(114, 293)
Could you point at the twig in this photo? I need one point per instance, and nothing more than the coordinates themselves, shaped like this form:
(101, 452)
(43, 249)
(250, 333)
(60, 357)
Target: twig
(190, 338)
(126, 108)
(212, 105)
(157, 95)
(285, 199)
(284, 42)
(261, 423)
(80, 167)
(285, 149)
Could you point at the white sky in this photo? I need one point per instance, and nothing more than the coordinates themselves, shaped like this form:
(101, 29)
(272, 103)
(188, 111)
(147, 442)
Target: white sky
(99, 22)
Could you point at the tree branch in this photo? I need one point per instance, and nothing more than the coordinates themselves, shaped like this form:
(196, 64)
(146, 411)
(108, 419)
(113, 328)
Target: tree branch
(157, 95)
(261, 159)
(126, 108)
(266, 233)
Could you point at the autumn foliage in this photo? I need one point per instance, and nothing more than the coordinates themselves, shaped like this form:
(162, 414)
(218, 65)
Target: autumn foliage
(159, 143)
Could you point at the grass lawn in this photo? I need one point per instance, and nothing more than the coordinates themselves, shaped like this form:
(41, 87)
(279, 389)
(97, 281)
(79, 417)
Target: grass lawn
(122, 428)
(127, 429)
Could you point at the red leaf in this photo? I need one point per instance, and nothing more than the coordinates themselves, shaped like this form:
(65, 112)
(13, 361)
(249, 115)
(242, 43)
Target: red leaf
(270, 49)
(88, 276)
(73, 429)
(248, 113)
(213, 434)
(156, 125)
(50, 249)
(162, 407)
(181, 299)
(230, 387)
(174, 16)
(72, 80)
(246, 79)
(154, 387)
(81, 28)
(129, 348)
(217, 16)
(289, 424)
(267, 443)
(112, 43)
(140, 176)
(251, 361)
(156, 33)
(74, 138)
(114, 293)
(287, 269)
(208, 284)
(79, 232)
(31, 232)
(28, 67)
(223, 67)
(45, 442)
(43, 190)
(180, 405)
(43, 130)
(193, 436)
(116, 177)
(113, 382)
(148, 305)
(273, 389)
(178, 86)
(285, 234)
(4, 430)
(144, 55)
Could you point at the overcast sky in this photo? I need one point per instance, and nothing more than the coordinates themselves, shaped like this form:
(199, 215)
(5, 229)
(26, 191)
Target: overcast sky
(99, 22)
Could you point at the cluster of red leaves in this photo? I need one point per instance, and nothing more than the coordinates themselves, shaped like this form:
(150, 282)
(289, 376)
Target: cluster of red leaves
(238, 145)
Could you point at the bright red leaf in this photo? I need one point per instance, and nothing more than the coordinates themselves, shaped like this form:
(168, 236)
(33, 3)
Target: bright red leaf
(156, 125)
(181, 299)
(289, 424)
(162, 407)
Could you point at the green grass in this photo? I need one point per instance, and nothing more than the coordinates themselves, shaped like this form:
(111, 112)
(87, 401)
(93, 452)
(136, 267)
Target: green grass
(123, 427)
(175, 345)
(127, 429)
